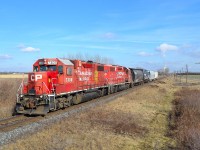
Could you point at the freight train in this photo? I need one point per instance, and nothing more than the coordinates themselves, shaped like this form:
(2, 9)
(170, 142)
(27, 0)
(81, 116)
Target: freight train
(57, 83)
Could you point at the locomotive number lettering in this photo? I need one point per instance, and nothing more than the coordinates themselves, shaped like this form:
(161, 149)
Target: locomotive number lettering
(84, 79)
(120, 74)
(86, 73)
(52, 62)
(68, 79)
(36, 77)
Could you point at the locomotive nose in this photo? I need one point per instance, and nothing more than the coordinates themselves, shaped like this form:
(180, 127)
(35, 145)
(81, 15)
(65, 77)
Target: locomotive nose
(38, 83)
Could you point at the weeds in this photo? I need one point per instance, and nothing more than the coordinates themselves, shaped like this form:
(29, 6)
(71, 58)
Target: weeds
(186, 118)
(117, 122)
(8, 90)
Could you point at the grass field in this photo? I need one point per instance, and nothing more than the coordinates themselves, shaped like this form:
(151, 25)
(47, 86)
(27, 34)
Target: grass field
(190, 78)
(9, 84)
(11, 76)
(8, 91)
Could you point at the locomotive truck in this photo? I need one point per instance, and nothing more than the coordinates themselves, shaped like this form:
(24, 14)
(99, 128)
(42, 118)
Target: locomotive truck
(58, 83)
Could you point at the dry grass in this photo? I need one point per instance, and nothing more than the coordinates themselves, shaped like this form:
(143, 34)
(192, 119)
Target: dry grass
(117, 122)
(8, 90)
(138, 120)
(186, 118)
(15, 76)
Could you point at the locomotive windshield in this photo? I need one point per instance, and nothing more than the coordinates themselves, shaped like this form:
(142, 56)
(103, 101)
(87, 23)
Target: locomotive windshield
(45, 68)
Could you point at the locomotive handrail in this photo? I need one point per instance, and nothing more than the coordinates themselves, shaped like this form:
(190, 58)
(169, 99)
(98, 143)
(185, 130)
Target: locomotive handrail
(46, 87)
(20, 88)
(23, 83)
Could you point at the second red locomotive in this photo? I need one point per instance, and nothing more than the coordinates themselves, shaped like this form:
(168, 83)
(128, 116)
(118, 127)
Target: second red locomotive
(58, 83)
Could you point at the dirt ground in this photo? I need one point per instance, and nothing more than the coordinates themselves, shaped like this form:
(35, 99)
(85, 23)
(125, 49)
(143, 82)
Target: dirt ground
(138, 120)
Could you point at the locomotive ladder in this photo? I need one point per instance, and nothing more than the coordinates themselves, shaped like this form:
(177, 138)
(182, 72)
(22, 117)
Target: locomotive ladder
(52, 102)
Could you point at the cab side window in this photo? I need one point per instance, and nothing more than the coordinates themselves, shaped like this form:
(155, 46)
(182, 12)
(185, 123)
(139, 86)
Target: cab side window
(35, 69)
(69, 71)
(60, 69)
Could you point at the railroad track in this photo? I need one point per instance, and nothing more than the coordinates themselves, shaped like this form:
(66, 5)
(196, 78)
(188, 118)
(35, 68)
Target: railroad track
(11, 123)
(9, 120)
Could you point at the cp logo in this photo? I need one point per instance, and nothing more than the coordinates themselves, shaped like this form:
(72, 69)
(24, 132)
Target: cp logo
(36, 77)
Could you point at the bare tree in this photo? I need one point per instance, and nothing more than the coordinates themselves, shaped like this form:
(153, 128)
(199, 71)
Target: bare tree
(97, 58)
(79, 56)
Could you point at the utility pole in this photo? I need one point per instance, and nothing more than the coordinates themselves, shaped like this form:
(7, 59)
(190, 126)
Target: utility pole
(186, 72)
(174, 75)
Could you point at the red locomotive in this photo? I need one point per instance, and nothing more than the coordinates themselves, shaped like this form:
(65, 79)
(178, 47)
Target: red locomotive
(58, 83)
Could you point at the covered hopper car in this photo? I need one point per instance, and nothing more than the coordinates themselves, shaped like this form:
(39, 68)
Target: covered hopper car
(137, 76)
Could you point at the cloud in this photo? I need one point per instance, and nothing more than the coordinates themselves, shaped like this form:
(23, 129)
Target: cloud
(108, 35)
(5, 56)
(145, 54)
(191, 50)
(163, 48)
(28, 48)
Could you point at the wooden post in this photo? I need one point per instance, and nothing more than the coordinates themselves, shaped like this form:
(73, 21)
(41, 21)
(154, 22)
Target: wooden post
(186, 72)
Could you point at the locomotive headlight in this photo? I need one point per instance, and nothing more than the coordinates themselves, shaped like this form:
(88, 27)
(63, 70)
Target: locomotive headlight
(41, 96)
(21, 97)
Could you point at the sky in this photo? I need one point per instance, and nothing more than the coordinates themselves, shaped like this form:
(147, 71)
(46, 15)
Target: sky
(151, 34)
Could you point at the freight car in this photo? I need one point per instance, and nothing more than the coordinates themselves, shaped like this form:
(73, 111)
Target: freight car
(152, 75)
(137, 76)
(58, 83)
(156, 75)
(146, 75)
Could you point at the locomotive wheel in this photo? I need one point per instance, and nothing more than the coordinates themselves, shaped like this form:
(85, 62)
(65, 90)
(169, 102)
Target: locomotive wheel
(14, 113)
(102, 92)
(77, 99)
(15, 109)
(115, 89)
(69, 101)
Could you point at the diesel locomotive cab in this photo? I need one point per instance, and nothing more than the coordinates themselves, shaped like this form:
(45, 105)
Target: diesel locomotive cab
(36, 94)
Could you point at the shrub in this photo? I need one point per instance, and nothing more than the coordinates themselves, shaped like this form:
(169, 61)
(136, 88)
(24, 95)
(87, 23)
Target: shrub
(187, 120)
